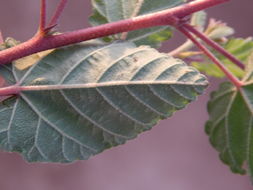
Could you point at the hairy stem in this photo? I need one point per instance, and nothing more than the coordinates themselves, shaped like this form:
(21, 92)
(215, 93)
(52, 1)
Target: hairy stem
(135, 13)
(215, 45)
(10, 90)
(58, 13)
(230, 76)
(166, 17)
(42, 16)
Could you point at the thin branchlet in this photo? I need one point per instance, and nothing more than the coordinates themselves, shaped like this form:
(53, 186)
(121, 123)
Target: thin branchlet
(214, 45)
(58, 12)
(42, 16)
(230, 76)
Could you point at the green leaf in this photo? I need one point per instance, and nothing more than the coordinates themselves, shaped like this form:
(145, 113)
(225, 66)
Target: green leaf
(9, 42)
(240, 48)
(230, 126)
(106, 11)
(91, 97)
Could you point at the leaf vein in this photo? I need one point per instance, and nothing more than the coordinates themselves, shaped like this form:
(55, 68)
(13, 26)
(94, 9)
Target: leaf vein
(144, 103)
(249, 144)
(36, 140)
(161, 98)
(144, 48)
(53, 126)
(83, 114)
(112, 104)
(80, 62)
(227, 130)
(11, 120)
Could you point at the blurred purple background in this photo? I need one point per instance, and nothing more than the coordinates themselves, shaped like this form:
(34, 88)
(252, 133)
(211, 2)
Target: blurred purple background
(174, 155)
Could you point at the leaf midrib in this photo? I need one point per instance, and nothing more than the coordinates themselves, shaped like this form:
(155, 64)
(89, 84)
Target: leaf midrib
(228, 145)
(104, 84)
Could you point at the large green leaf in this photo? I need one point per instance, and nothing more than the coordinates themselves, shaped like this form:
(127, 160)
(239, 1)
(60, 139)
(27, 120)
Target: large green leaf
(231, 123)
(92, 97)
(105, 11)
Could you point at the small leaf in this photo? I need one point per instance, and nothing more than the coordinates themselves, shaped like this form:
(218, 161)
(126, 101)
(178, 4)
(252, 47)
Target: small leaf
(198, 20)
(9, 42)
(240, 48)
(91, 97)
(217, 30)
(249, 68)
(231, 123)
(106, 11)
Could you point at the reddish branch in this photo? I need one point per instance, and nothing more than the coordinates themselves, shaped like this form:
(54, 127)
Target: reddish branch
(44, 42)
(230, 76)
(43, 27)
(175, 17)
(7, 91)
(42, 16)
(58, 13)
(213, 44)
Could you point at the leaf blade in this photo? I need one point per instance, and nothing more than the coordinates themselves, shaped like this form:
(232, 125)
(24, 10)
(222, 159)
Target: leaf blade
(75, 104)
(230, 125)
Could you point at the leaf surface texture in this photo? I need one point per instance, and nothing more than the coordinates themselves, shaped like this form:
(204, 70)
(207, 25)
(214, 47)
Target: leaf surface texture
(92, 97)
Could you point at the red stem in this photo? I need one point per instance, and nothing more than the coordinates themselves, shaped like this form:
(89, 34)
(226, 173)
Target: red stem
(10, 90)
(58, 13)
(166, 17)
(42, 16)
(215, 45)
(230, 76)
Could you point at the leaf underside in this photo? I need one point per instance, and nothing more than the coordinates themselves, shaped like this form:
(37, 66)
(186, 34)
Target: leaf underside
(75, 123)
(106, 11)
